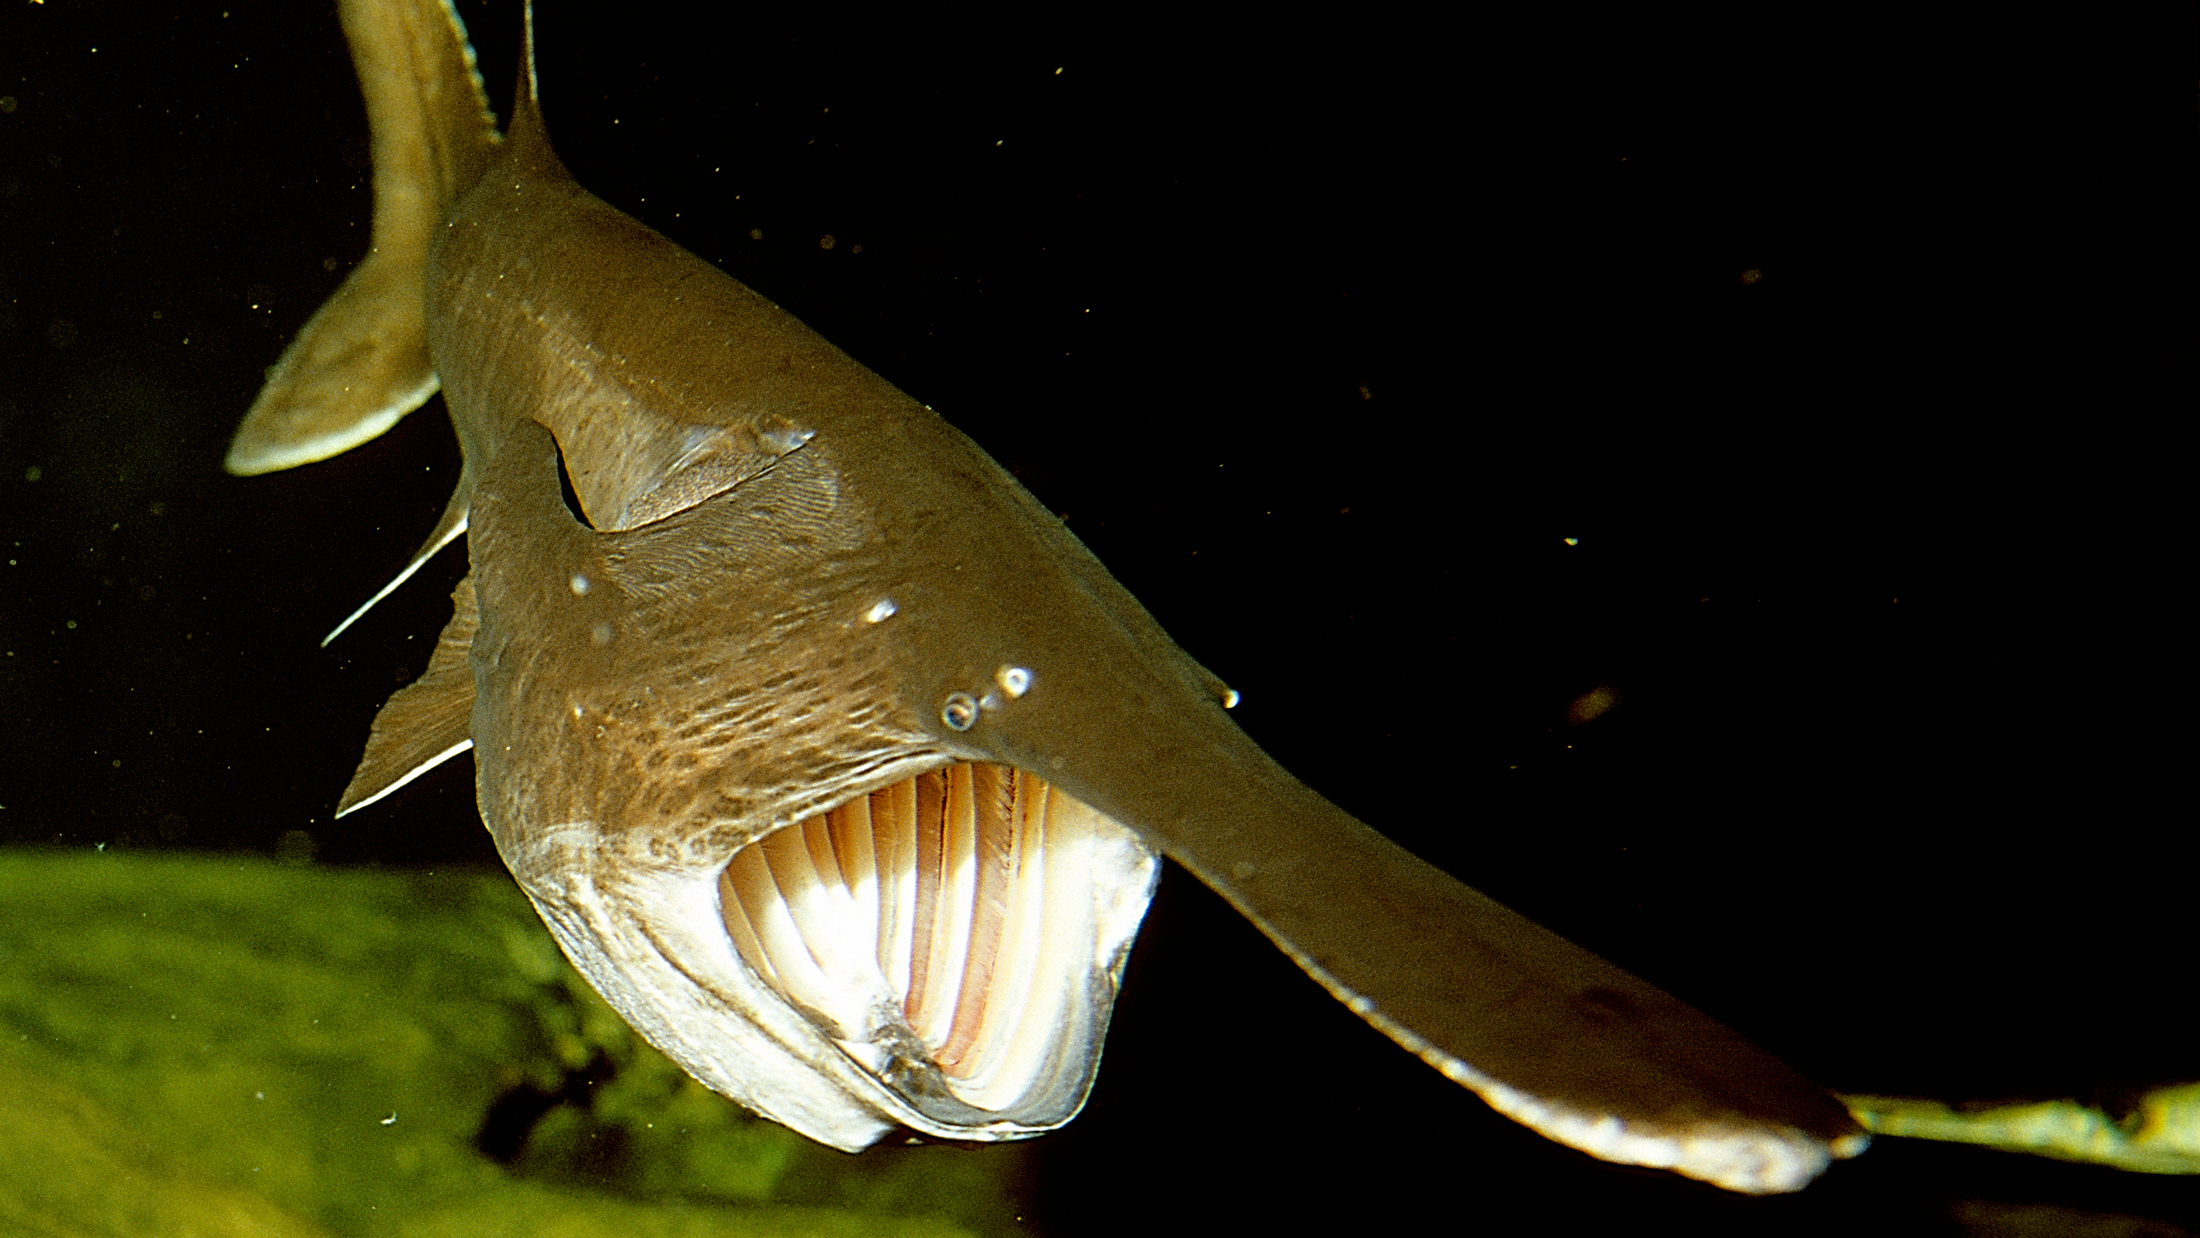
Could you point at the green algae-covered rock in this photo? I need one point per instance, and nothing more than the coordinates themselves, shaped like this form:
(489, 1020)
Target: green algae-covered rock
(197, 1046)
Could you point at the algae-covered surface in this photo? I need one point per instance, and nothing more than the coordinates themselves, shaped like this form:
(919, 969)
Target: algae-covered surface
(2158, 1132)
(224, 1046)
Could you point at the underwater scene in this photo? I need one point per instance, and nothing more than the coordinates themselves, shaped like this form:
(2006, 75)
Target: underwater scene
(1683, 480)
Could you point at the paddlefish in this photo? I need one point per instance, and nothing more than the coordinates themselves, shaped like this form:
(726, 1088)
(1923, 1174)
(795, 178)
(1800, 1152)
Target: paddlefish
(829, 755)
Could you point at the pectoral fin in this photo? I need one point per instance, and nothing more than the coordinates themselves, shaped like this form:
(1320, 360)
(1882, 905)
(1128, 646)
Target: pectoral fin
(447, 530)
(426, 723)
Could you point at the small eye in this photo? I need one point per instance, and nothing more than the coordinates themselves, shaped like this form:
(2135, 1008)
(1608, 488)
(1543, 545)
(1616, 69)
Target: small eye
(959, 712)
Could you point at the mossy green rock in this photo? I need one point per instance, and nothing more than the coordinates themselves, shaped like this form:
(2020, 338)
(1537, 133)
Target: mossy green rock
(198, 1046)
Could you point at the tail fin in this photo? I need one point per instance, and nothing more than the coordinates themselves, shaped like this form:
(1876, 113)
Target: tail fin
(362, 361)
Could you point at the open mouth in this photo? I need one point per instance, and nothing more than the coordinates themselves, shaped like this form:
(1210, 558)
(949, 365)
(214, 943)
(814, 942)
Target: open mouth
(959, 935)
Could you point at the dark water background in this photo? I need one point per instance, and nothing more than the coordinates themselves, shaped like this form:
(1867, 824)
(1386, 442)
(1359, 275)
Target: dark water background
(1324, 332)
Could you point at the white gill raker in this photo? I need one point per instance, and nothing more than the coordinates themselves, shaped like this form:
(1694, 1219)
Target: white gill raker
(738, 886)
(998, 1006)
(942, 933)
(925, 862)
(894, 841)
(1055, 913)
(838, 974)
(802, 976)
(847, 832)
(1008, 904)
(1022, 1008)
(992, 849)
(958, 903)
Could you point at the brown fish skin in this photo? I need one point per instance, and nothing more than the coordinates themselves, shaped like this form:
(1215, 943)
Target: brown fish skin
(875, 499)
(723, 671)
(787, 583)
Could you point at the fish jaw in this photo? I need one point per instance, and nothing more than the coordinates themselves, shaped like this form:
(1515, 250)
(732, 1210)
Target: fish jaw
(656, 776)
(651, 942)
(859, 1056)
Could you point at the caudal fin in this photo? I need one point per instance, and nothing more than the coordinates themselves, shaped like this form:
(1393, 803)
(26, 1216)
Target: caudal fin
(362, 361)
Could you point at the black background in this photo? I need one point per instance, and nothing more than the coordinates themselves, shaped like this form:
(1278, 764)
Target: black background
(1324, 332)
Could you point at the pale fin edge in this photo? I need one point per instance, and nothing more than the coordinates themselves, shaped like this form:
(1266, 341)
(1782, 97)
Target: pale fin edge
(448, 528)
(357, 367)
(427, 722)
(361, 362)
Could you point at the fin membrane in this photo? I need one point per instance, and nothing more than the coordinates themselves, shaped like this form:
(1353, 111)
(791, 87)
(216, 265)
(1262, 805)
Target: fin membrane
(427, 722)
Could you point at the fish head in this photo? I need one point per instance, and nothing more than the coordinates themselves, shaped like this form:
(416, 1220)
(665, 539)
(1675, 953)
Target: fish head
(776, 852)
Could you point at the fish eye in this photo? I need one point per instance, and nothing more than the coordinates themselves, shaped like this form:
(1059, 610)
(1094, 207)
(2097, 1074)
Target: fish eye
(959, 712)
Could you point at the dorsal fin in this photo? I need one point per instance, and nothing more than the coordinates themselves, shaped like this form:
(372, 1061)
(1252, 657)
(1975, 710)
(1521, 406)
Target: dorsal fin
(427, 722)
(528, 138)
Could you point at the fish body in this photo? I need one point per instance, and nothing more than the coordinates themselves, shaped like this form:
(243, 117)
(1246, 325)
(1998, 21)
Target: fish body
(829, 755)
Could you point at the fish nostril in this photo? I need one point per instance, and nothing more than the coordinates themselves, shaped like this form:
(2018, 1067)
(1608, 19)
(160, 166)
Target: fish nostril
(959, 712)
